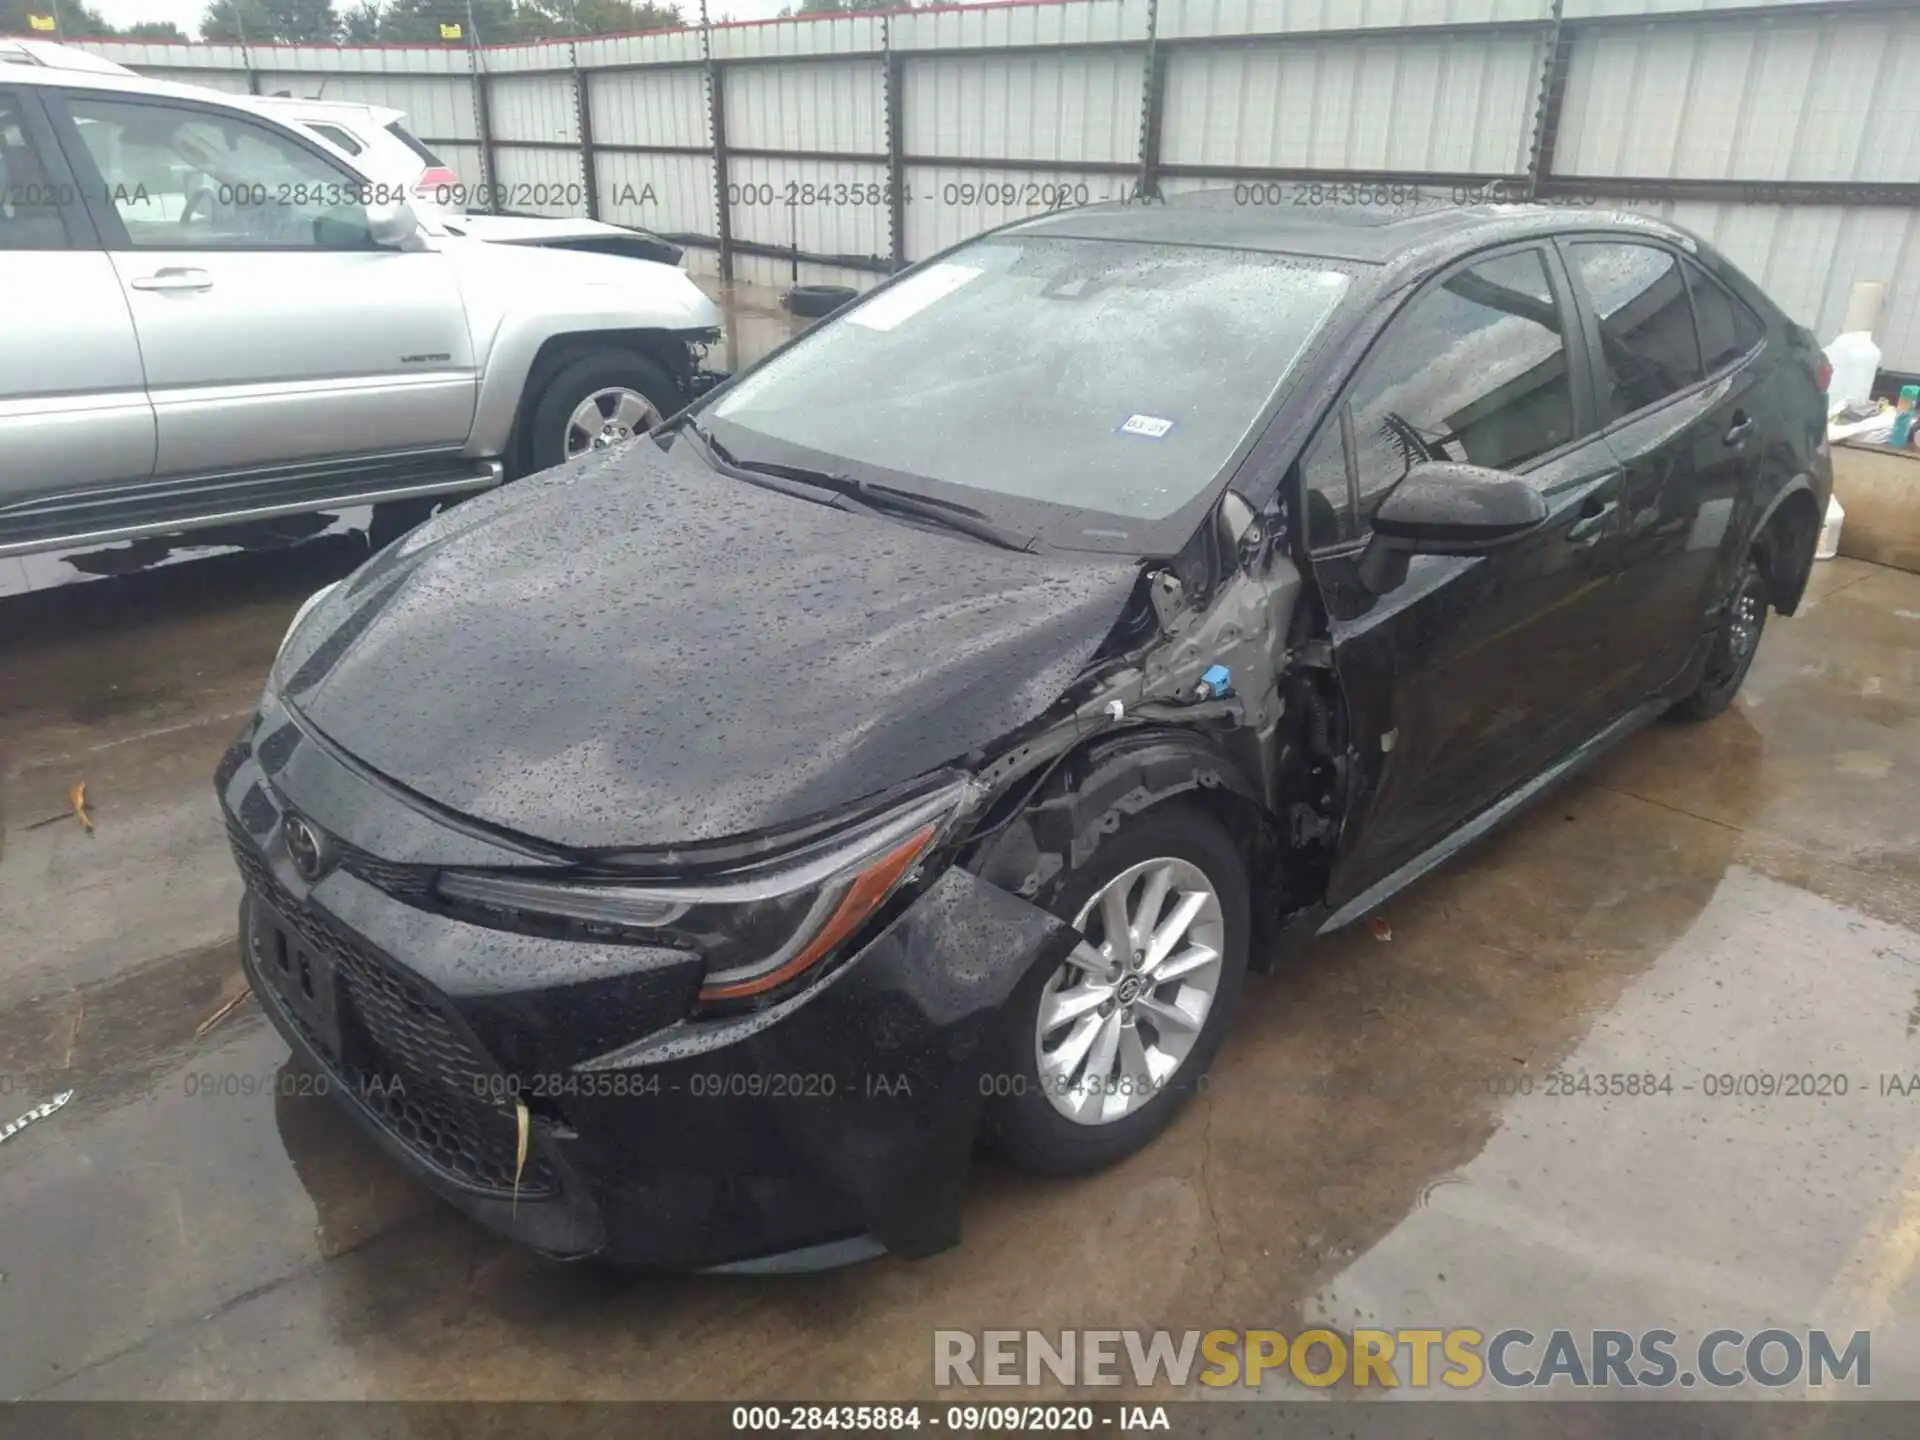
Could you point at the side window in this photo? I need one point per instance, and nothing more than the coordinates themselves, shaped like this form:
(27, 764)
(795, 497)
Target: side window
(1728, 329)
(29, 202)
(183, 179)
(1329, 500)
(1474, 370)
(334, 135)
(1646, 325)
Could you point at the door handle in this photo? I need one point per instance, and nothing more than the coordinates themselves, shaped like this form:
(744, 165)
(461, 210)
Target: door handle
(174, 277)
(1593, 519)
(1742, 428)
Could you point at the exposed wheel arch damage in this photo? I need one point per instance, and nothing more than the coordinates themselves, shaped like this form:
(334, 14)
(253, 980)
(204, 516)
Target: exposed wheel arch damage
(1268, 766)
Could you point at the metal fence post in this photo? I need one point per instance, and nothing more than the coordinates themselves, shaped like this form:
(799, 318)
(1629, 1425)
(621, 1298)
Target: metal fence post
(717, 122)
(1153, 85)
(583, 108)
(894, 78)
(1546, 111)
(483, 122)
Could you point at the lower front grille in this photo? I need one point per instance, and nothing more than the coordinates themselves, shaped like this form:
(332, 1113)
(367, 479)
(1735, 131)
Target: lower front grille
(402, 1055)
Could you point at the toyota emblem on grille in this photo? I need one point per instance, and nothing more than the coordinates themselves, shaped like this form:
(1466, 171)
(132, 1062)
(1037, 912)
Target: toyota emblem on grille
(307, 848)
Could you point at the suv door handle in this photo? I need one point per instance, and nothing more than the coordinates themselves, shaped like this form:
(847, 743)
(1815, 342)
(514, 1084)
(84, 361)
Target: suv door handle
(1742, 428)
(174, 277)
(1593, 519)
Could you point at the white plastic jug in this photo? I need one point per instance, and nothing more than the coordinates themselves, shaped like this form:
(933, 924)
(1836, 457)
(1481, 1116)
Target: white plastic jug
(1830, 532)
(1855, 360)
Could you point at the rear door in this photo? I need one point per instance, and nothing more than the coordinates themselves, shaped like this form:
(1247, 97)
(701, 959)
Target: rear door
(1475, 672)
(1686, 427)
(74, 415)
(276, 333)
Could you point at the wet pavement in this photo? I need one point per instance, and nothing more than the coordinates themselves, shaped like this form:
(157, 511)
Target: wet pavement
(1384, 1142)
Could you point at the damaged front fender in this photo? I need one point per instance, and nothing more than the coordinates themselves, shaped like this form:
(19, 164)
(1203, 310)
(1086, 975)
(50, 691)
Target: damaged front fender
(851, 1113)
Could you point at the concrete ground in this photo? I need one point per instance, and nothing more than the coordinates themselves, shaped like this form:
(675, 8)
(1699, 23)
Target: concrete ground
(1383, 1142)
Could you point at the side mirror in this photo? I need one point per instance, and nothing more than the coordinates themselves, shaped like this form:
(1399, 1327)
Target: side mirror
(392, 224)
(1442, 508)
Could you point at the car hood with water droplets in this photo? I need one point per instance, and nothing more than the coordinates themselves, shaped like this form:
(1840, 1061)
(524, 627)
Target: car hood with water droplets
(632, 650)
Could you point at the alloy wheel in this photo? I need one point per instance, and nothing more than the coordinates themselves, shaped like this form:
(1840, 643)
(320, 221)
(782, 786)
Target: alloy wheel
(609, 417)
(1119, 1018)
(1740, 632)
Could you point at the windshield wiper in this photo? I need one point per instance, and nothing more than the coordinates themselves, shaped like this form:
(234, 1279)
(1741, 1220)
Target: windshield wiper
(860, 496)
(944, 513)
(775, 478)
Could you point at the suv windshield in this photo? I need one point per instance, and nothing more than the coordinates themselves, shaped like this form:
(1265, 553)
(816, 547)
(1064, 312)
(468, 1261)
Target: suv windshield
(1044, 378)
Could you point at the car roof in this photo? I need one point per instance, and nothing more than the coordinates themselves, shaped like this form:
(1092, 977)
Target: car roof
(280, 109)
(1368, 235)
(120, 79)
(51, 55)
(316, 109)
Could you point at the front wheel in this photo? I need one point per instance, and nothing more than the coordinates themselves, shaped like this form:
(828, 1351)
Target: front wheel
(1099, 1052)
(1734, 646)
(600, 400)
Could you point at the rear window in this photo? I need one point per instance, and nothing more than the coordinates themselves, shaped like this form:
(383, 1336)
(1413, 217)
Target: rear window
(407, 138)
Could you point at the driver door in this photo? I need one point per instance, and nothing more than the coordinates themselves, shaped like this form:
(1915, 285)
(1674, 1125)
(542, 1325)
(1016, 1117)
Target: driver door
(275, 333)
(1475, 672)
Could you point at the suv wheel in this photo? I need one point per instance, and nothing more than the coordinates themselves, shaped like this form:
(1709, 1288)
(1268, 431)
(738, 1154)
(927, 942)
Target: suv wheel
(1741, 625)
(1098, 1053)
(602, 399)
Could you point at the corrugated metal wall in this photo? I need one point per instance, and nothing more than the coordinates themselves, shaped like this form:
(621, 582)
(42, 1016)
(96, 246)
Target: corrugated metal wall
(985, 114)
(1779, 98)
(1421, 104)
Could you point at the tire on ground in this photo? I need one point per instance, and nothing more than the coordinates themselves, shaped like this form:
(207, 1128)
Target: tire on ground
(595, 371)
(819, 299)
(1723, 674)
(1023, 1124)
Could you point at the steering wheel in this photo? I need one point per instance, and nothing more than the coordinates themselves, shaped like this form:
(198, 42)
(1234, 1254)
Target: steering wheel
(193, 204)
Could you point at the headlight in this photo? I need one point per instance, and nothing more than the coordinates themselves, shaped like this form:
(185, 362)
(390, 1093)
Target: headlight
(757, 928)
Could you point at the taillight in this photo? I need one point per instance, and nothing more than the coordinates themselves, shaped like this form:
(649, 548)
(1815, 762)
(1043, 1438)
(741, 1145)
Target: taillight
(438, 184)
(1823, 374)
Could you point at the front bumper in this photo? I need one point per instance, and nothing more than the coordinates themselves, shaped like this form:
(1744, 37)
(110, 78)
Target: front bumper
(837, 1123)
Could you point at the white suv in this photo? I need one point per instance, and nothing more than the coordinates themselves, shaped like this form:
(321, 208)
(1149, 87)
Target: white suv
(211, 317)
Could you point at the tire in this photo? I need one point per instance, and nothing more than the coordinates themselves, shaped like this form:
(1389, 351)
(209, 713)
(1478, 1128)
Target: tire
(1735, 644)
(600, 371)
(819, 299)
(395, 518)
(1026, 1125)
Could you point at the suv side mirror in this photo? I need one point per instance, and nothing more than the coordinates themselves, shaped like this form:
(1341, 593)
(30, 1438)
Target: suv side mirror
(392, 224)
(1442, 508)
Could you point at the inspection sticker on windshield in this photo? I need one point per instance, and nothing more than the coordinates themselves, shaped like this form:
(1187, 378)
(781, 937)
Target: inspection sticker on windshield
(912, 295)
(1151, 426)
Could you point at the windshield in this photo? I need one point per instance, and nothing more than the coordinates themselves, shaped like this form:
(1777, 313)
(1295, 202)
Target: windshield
(1087, 376)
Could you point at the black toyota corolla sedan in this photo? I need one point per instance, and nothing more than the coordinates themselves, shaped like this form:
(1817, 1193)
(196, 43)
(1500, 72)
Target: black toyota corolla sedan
(692, 854)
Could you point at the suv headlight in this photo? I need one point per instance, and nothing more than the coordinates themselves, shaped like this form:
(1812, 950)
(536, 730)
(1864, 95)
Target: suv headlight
(759, 927)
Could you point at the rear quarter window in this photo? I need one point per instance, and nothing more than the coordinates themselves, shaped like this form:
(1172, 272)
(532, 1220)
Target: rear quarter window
(333, 134)
(1728, 329)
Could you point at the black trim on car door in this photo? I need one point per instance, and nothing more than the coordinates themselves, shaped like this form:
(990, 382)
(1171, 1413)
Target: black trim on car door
(82, 234)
